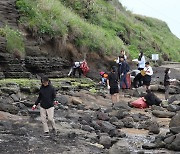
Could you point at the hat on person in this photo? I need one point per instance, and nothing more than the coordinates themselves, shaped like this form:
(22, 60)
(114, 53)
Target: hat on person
(101, 73)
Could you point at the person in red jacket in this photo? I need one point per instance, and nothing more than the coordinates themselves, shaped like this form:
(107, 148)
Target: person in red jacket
(46, 99)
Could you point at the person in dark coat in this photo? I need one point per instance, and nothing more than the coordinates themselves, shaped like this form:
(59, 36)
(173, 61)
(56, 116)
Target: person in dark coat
(46, 99)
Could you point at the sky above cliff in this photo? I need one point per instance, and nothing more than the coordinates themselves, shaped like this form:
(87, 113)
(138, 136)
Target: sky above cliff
(166, 10)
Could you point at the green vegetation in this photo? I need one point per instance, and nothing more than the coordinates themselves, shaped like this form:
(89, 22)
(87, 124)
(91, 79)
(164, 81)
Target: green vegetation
(34, 84)
(14, 40)
(101, 26)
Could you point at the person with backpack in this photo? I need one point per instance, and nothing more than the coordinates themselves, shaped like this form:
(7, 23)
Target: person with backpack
(46, 99)
(124, 69)
(112, 84)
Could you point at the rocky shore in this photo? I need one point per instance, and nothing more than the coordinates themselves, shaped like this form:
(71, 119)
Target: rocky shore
(86, 121)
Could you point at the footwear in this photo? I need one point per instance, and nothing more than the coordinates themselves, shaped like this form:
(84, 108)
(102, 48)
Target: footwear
(46, 134)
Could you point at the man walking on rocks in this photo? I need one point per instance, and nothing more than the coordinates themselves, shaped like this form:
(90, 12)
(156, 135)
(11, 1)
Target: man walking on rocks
(46, 99)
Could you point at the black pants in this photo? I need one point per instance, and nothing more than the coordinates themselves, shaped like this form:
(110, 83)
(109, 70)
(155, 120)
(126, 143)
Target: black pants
(79, 71)
(138, 80)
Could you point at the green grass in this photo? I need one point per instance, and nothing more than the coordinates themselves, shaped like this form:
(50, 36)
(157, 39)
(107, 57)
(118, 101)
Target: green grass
(101, 26)
(14, 38)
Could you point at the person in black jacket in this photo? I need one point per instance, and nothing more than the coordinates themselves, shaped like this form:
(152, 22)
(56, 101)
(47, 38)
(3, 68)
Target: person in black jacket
(46, 100)
(124, 69)
(151, 99)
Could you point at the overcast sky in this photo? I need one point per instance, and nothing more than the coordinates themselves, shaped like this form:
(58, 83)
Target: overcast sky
(166, 10)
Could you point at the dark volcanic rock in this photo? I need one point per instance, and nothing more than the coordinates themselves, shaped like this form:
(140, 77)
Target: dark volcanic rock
(149, 146)
(175, 144)
(154, 128)
(163, 114)
(106, 126)
(105, 141)
(128, 122)
(173, 108)
(174, 124)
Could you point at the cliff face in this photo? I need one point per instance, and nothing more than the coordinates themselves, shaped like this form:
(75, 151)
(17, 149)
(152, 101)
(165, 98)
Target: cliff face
(57, 32)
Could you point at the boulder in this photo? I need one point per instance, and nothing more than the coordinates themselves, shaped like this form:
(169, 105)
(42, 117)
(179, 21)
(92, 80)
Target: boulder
(87, 128)
(163, 114)
(15, 98)
(103, 116)
(121, 147)
(139, 92)
(174, 124)
(149, 146)
(175, 144)
(174, 98)
(173, 108)
(128, 122)
(76, 101)
(106, 126)
(105, 141)
(154, 128)
(119, 124)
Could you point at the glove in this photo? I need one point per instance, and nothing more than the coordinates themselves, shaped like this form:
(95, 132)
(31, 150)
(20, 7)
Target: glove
(56, 102)
(33, 107)
(108, 87)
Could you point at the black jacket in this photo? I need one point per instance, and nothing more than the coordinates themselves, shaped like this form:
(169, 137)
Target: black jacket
(46, 97)
(166, 79)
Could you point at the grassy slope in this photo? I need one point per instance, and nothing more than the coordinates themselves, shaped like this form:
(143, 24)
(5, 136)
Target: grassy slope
(103, 26)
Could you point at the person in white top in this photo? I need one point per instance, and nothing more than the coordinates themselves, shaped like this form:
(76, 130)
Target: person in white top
(141, 61)
(148, 73)
(75, 66)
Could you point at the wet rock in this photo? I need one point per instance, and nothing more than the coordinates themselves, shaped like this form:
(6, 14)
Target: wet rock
(128, 122)
(106, 126)
(154, 128)
(76, 101)
(163, 114)
(121, 147)
(149, 146)
(174, 124)
(103, 116)
(173, 108)
(105, 141)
